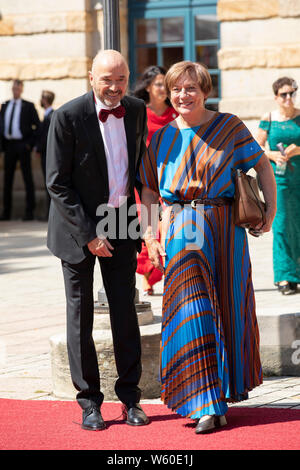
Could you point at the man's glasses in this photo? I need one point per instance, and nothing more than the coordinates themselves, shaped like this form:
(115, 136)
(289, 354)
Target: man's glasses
(292, 94)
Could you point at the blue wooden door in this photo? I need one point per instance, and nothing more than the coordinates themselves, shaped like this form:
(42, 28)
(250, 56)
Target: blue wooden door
(163, 32)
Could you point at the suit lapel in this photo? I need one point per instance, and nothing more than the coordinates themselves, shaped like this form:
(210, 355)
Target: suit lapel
(22, 115)
(3, 107)
(130, 130)
(93, 130)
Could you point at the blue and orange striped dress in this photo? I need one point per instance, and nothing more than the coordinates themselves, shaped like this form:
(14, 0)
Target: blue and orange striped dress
(210, 339)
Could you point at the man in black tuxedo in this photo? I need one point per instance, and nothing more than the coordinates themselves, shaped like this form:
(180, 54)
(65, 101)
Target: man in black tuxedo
(95, 144)
(47, 99)
(20, 126)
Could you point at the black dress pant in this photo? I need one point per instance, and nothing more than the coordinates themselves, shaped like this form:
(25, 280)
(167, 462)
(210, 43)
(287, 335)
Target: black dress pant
(118, 274)
(16, 150)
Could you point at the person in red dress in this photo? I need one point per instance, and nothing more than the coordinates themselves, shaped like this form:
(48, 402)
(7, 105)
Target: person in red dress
(151, 89)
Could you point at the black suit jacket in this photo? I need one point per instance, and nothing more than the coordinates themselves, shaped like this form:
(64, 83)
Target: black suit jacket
(76, 174)
(41, 144)
(1, 131)
(29, 123)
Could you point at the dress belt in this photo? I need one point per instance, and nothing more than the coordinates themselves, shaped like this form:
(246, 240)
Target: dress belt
(217, 201)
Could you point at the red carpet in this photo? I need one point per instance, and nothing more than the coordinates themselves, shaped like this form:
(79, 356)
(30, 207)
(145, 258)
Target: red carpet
(53, 425)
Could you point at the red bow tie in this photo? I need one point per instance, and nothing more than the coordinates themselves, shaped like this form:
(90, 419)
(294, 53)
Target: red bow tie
(118, 112)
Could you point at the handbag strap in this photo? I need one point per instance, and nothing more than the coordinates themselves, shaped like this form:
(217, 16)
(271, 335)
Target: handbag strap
(269, 127)
(270, 121)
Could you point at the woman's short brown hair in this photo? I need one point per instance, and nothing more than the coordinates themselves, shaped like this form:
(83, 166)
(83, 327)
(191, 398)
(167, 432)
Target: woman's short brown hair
(193, 69)
(281, 82)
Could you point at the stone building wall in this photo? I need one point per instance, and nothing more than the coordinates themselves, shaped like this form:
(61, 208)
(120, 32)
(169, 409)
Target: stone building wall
(260, 41)
(49, 44)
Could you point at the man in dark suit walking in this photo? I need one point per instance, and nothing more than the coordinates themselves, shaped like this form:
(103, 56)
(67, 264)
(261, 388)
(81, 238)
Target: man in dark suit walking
(47, 99)
(20, 126)
(95, 144)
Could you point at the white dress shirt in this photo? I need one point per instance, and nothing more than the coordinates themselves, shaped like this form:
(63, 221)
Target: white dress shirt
(47, 111)
(16, 131)
(115, 145)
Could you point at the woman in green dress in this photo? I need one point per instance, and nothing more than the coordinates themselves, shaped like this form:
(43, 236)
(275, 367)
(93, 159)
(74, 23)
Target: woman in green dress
(281, 129)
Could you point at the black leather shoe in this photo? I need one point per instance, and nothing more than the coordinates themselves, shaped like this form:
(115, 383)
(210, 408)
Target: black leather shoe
(92, 419)
(289, 288)
(134, 415)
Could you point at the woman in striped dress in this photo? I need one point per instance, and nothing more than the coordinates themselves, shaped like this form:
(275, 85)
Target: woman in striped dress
(210, 338)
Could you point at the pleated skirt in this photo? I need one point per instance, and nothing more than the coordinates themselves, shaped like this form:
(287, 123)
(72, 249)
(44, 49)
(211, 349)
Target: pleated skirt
(210, 337)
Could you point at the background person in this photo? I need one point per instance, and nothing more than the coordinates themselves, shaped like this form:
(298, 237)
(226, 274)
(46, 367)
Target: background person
(151, 89)
(20, 127)
(283, 126)
(210, 340)
(95, 143)
(47, 99)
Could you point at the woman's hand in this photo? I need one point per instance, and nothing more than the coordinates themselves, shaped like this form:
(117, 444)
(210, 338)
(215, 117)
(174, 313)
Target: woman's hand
(155, 252)
(292, 150)
(278, 158)
(149, 220)
(266, 227)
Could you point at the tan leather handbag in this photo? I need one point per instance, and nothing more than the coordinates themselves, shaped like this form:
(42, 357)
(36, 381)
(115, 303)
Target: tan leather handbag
(249, 209)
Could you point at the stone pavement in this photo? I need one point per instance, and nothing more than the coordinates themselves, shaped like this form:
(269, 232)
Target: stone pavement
(32, 309)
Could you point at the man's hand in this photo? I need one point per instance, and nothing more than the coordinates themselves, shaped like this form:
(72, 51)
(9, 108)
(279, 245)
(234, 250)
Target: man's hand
(100, 247)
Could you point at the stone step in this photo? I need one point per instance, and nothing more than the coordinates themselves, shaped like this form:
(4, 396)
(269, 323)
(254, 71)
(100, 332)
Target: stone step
(149, 383)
